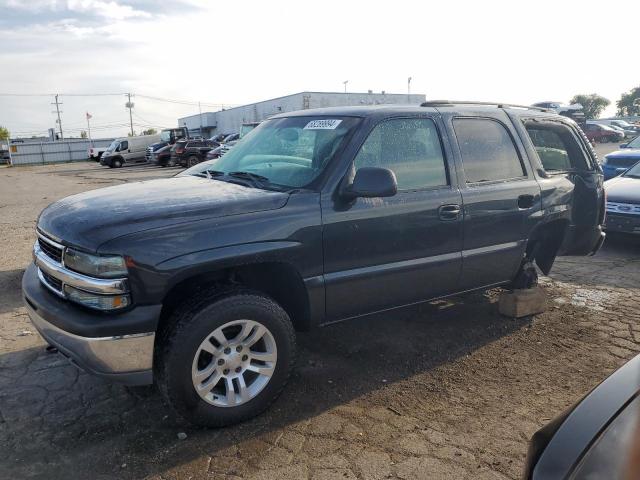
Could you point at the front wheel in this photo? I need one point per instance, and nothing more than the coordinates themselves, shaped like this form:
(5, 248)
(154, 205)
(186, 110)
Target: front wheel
(117, 163)
(192, 160)
(225, 359)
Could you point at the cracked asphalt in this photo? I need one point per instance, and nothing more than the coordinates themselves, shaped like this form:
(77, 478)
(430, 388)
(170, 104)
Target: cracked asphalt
(450, 389)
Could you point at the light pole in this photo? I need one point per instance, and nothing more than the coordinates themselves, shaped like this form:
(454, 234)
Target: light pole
(345, 85)
(409, 88)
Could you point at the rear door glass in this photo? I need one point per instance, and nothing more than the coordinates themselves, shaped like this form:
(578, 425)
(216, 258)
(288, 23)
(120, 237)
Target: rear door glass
(487, 149)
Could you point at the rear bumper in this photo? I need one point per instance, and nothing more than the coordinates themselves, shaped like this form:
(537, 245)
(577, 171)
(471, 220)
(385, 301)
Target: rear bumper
(118, 347)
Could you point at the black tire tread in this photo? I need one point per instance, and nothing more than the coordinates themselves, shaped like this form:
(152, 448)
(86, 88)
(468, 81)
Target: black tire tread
(180, 321)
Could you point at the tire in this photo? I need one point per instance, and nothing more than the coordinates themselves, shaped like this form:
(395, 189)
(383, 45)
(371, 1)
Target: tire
(527, 277)
(186, 357)
(117, 163)
(192, 160)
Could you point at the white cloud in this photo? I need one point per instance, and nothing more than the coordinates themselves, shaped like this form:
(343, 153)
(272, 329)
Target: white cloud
(239, 53)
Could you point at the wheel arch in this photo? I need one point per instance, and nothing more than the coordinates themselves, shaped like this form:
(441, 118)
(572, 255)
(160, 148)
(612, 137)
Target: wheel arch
(545, 242)
(289, 291)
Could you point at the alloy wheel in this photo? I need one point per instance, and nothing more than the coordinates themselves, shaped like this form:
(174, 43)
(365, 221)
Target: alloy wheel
(234, 363)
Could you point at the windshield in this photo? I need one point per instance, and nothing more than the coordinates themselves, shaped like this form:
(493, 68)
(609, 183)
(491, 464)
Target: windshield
(113, 146)
(633, 172)
(621, 123)
(635, 143)
(165, 135)
(288, 152)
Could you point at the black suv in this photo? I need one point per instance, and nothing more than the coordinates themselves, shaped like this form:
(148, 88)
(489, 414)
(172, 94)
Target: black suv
(317, 216)
(190, 152)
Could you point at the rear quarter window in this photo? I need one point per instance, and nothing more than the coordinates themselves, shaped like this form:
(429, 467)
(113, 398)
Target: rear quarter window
(556, 145)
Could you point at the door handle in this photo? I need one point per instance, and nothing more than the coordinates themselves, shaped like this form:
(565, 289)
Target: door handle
(526, 201)
(449, 212)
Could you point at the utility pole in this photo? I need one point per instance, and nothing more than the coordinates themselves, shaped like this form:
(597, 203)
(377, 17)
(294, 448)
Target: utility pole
(345, 85)
(129, 105)
(409, 90)
(59, 122)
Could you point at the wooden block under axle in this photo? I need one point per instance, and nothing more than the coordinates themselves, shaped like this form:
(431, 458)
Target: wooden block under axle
(522, 303)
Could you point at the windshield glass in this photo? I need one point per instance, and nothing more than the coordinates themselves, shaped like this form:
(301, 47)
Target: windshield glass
(165, 135)
(635, 143)
(289, 152)
(621, 123)
(633, 171)
(113, 146)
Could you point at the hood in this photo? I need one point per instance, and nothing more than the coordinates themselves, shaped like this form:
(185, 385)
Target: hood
(623, 190)
(89, 219)
(625, 153)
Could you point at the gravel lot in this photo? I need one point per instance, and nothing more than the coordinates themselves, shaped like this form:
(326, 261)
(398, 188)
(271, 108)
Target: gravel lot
(447, 390)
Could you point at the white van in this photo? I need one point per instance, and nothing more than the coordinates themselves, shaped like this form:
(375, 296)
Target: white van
(127, 150)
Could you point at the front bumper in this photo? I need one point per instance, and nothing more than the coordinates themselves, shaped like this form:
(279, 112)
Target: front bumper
(111, 346)
(623, 223)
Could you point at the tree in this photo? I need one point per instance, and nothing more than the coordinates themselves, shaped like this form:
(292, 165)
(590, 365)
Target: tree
(592, 104)
(131, 134)
(83, 134)
(150, 131)
(4, 133)
(629, 103)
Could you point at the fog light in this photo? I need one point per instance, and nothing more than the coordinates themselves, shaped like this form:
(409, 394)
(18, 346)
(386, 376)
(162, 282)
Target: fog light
(95, 301)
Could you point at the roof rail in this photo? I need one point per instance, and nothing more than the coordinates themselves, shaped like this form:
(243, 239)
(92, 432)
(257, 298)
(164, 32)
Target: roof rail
(443, 103)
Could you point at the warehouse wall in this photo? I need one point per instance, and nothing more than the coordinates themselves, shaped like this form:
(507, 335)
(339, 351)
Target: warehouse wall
(229, 121)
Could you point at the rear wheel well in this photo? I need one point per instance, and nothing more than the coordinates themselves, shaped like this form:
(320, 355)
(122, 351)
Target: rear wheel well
(280, 281)
(545, 242)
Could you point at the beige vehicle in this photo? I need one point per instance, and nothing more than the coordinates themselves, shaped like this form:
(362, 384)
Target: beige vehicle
(127, 150)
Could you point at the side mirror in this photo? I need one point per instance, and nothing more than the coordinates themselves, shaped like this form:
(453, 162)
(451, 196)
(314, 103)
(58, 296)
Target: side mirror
(372, 182)
(624, 145)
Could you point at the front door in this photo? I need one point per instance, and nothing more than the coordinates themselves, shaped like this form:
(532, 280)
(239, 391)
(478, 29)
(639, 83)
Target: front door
(385, 252)
(501, 199)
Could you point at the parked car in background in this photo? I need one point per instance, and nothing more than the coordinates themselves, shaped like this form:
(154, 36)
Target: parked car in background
(218, 138)
(629, 129)
(217, 152)
(633, 143)
(188, 153)
(596, 132)
(162, 156)
(233, 137)
(127, 150)
(623, 201)
(596, 439)
(168, 136)
(618, 162)
(96, 152)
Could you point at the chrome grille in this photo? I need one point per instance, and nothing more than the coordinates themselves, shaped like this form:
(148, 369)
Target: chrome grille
(52, 281)
(623, 208)
(50, 248)
(149, 154)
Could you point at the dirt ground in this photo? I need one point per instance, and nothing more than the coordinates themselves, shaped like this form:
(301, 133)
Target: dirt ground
(447, 390)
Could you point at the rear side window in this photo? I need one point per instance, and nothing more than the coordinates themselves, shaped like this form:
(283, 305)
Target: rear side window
(488, 152)
(411, 148)
(556, 146)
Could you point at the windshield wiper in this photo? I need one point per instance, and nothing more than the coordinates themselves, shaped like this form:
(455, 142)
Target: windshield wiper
(256, 180)
(209, 173)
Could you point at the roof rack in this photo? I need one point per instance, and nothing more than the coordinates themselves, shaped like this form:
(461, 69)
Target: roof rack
(443, 103)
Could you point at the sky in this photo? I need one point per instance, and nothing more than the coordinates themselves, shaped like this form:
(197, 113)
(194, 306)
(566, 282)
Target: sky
(235, 53)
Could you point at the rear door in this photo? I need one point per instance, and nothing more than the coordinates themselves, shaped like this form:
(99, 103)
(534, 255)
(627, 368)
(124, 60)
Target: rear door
(500, 194)
(381, 253)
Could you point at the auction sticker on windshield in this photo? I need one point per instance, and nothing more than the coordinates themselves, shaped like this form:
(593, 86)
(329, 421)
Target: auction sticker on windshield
(324, 124)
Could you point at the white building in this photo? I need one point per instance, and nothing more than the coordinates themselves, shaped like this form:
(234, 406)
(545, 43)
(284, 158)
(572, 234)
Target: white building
(230, 120)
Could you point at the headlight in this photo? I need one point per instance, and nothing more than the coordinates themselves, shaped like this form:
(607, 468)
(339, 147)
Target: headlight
(111, 266)
(96, 301)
